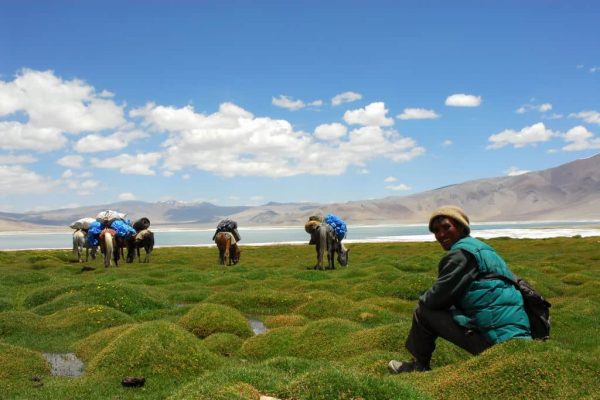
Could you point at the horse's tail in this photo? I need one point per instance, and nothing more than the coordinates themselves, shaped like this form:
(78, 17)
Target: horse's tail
(109, 249)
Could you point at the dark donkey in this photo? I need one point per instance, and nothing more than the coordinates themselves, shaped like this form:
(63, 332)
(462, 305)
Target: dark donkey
(143, 239)
(323, 236)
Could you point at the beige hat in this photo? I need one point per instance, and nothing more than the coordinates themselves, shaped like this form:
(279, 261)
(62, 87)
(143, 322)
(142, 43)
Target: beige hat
(454, 212)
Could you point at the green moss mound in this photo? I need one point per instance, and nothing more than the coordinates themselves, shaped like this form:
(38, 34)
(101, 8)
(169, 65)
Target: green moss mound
(278, 321)
(86, 318)
(332, 383)
(88, 347)
(20, 363)
(206, 318)
(151, 349)
(225, 344)
(323, 339)
(258, 301)
(517, 369)
(126, 298)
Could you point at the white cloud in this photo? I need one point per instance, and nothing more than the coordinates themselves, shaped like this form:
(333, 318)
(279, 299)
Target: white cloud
(417, 113)
(127, 196)
(390, 179)
(447, 143)
(293, 105)
(399, 187)
(17, 136)
(73, 161)
(287, 102)
(95, 143)
(49, 102)
(346, 97)
(580, 138)
(594, 69)
(239, 144)
(330, 131)
(17, 159)
(463, 100)
(530, 135)
(372, 115)
(186, 177)
(514, 171)
(364, 171)
(139, 164)
(591, 116)
(534, 107)
(18, 180)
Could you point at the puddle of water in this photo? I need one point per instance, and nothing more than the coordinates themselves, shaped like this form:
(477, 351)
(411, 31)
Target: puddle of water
(257, 326)
(64, 364)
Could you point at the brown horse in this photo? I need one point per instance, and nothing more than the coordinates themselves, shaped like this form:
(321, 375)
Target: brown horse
(229, 252)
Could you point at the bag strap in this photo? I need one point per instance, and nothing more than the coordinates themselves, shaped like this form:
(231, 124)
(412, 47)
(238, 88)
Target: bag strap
(493, 275)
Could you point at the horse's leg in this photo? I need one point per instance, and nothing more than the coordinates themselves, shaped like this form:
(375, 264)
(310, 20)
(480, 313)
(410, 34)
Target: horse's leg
(322, 246)
(227, 256)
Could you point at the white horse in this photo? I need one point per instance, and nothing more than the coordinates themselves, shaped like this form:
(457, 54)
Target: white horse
(108, 248)
(79, 243)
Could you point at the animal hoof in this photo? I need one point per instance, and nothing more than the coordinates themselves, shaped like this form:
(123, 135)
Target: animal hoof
(133, 381)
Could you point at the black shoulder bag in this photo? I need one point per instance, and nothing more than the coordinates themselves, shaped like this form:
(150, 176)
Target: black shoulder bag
(537, 308)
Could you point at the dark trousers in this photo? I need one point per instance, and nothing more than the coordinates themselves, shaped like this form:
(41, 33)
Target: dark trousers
(428, 324)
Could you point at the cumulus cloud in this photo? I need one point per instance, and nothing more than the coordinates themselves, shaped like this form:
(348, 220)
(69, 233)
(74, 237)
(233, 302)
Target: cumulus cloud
(73, 161)
(417, 113)
(15, 135)
(139, 164)
(330, 131)
(233, 142)
(390, 179)
(514, 171)
(463, 100)
(579, 138)
(51, 103)
(17, 159)
(15, 179)
(447, 143)
(346, 97)
(293, 105)
(95, 143)
(372, 115)
(530, 135)
(591, 116)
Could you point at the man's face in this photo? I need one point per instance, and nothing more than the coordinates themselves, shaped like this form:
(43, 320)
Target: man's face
(447, 231)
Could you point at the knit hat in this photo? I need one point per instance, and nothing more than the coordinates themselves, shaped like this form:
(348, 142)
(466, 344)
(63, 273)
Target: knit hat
(454, 212)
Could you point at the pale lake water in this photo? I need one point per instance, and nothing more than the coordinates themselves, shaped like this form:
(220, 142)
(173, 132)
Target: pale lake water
(297, 235)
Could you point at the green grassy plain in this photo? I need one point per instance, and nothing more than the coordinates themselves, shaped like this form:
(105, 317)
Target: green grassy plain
(180, 322)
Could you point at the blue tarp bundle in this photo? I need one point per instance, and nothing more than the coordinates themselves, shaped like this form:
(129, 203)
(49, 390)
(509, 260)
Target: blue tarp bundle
(338, 225)
(123, 229)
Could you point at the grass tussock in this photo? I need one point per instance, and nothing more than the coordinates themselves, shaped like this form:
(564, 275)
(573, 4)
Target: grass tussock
(181, 321)
(153, 348)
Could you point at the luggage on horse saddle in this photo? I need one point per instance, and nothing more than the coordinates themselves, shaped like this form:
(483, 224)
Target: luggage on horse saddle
(338, 225)
(141, 224)
(83, 223)
(228, 225)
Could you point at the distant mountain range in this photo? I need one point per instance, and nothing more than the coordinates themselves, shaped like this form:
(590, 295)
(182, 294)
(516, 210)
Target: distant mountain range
(567, 192)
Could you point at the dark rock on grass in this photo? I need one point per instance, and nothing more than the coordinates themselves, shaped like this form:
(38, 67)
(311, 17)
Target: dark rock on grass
(133, 381)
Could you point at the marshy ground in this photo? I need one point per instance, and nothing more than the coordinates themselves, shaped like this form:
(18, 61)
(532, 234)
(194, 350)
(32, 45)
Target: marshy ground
(188, 325)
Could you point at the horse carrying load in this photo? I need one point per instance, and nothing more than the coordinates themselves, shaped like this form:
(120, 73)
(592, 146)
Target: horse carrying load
(327, 235)
(228, 225)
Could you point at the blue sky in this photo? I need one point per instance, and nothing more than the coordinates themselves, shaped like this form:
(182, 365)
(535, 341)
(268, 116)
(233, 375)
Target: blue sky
(242, 103)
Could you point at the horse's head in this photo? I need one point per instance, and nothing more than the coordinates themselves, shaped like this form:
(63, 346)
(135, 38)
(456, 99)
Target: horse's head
(343, 255)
